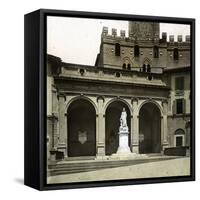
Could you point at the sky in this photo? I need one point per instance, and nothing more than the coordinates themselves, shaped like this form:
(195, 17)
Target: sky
(77, 40)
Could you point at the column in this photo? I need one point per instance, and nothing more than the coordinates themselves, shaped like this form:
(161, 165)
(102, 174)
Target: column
(135, 127)
(62, 144)
(164, 128)
(100, 128)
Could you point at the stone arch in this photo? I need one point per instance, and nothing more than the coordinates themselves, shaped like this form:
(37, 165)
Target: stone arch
(149, 128)
(113, 111)
(147, 61)
(179, 131)
(126, 60)
(81, 97)
(81, 127)
(153, 102)
(118, 99)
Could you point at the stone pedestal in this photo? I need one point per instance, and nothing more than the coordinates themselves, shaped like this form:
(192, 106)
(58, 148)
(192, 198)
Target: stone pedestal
(123, 141)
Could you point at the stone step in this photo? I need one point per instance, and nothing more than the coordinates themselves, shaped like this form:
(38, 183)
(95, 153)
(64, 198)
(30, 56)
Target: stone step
(80, 158)
(67, 167)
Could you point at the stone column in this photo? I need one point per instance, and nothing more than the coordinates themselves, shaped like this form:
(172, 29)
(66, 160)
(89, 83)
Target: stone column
(100, 128)
(135, 127)
(164, 128)
(62, 144)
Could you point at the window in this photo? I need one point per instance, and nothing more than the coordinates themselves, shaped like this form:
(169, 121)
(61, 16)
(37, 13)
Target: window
(179, 137)
(176, 54)
(124, 66)
(179, 106)
(179, 141)
(148, 68)
(117, 74)
(144, 68)
(155, 52)
(129, 67)
(150, 77)
(82, 71)
(179, 83)
(117, 49)
(136, 51)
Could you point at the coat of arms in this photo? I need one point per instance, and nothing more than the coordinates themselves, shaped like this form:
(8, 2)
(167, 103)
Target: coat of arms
(82, 136)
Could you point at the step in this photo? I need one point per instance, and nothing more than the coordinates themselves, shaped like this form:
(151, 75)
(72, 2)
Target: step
(67, 167)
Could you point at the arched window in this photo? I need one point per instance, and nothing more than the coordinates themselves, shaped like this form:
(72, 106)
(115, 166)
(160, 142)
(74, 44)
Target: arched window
(144, 68)
(136, 51)
(179, 138)
(150, 77)
(117, 49)
(124, 66)
(155, 52)
(176, 54)
(129, 66)
(82, 71)
(117, 74)
(148, 68)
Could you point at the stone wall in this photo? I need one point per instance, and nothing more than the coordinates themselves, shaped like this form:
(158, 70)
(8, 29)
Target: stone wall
(146, 47)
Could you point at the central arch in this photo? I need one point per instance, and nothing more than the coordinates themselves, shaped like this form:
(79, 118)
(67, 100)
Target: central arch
(149, 128)
(81, 120)
(112, 124)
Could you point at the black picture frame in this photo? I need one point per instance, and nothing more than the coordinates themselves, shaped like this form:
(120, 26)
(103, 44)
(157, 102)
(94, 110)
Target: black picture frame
(35, 29)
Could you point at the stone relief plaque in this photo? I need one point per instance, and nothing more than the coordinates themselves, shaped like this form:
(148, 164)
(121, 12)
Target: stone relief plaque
(82, 137)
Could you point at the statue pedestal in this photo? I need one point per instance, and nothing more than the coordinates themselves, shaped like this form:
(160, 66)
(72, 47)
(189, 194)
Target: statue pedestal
(123, 141)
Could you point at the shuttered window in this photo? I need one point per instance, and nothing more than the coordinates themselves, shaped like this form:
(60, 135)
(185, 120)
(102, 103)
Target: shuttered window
(136, 51)
(179, 106)
(176, 54)
(155, 52)
(117, 49)
(179, 83)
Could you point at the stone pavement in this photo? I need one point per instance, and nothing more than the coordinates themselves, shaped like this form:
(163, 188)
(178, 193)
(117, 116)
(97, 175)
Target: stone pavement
(173, 167)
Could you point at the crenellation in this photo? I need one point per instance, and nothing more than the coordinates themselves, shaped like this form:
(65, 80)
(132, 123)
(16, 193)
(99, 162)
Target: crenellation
(171, 38)
(187, 38)
(180, 38)
(164, 36)
(132, 37)
(105, 30)
(123, 33)
(114, 32)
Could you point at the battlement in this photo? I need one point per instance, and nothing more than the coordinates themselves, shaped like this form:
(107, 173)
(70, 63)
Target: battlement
(122, 35)
(113, 32)
(179, 38)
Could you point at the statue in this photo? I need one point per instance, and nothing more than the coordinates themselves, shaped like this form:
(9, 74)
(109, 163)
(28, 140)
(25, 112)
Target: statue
(123, 134)
(123, 122)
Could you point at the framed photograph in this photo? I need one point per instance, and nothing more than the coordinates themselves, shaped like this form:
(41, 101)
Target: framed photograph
(109, 99)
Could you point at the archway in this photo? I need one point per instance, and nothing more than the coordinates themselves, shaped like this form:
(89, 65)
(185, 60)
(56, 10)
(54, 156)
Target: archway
(112, 124)
(149, 129)
(81, 120)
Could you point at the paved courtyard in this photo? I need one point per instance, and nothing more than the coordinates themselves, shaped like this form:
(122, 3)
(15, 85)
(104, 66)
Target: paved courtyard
(174, 167)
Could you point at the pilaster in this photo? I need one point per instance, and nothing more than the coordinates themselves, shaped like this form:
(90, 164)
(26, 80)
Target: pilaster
(135, 127)
(100, 127)
(62, 144)
(164, 128)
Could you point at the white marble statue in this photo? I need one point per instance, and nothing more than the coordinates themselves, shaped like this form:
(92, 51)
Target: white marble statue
(123, 122)
(123, 135)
